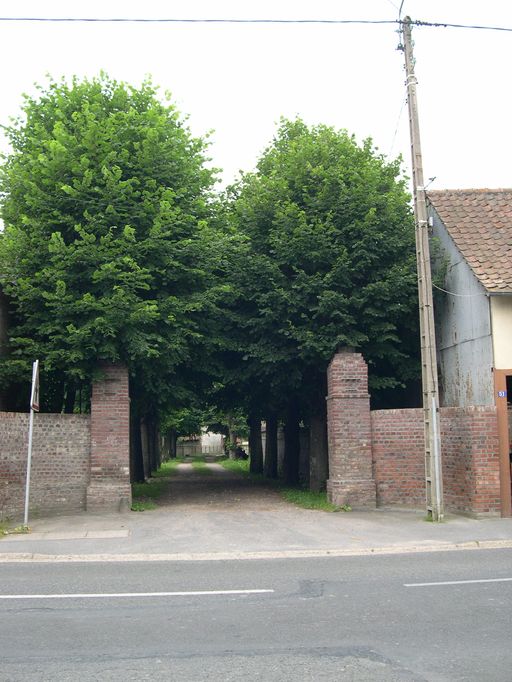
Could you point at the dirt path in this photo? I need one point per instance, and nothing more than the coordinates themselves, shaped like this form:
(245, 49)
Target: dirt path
(217, 489)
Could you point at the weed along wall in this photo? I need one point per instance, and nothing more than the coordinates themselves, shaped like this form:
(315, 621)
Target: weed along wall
(393, 441)
(79, 462)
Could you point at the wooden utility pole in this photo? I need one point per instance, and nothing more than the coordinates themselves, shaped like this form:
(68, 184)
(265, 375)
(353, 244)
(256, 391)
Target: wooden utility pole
(433, 470)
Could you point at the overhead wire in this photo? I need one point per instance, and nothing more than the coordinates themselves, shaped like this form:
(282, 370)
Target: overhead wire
(205, 20)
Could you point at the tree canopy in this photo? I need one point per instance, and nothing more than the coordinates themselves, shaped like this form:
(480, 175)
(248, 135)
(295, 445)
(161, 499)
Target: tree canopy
(331, 264)
(110, 250)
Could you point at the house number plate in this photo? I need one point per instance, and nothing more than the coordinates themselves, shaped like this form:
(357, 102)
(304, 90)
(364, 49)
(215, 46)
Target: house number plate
(502, 394)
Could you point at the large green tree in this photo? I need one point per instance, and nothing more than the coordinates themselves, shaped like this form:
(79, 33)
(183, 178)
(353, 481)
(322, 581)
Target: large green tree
(110, 250)
(332, 264)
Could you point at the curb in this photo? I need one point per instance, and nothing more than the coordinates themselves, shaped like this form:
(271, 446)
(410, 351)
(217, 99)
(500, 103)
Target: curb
(28, 557)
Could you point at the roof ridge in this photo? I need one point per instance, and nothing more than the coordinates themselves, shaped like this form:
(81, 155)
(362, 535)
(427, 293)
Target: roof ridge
(469, 189)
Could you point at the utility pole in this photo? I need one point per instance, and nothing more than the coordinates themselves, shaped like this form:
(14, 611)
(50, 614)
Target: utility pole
(433, 470)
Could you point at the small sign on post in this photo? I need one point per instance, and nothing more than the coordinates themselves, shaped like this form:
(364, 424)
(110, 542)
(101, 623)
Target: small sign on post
(34, 407)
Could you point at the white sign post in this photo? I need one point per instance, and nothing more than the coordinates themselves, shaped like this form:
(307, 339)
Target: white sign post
(34, 407)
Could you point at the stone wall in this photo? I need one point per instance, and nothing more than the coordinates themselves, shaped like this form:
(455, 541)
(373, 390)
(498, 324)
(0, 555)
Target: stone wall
(60, 463)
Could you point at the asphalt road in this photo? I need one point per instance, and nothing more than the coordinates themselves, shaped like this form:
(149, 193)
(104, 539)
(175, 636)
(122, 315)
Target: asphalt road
(345, 618)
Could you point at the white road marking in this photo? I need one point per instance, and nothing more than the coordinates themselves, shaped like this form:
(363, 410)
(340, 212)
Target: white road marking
(460, 582)
(122, 595)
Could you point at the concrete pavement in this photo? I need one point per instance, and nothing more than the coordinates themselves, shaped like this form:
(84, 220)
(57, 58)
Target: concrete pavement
(222, 515)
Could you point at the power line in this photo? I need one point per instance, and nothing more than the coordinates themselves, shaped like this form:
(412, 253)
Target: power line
(162, 20)
(404, 102)
(174, 20)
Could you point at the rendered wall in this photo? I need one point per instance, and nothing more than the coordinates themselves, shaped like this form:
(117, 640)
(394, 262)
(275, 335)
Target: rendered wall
(463, 329)
(60, 463)
(501, 314)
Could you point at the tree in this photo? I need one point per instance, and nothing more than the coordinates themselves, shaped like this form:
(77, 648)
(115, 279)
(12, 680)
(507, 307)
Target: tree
(109, 251)
(332, 264)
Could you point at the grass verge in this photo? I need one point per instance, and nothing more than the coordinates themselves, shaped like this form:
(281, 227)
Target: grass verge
(240, 466)
(17, 530)
(168, 468)
(297, 496)
(144, 494)
(198, 464)
(308, 499)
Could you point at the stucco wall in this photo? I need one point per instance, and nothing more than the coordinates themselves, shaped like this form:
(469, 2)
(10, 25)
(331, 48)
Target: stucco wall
(463, 329)
(501, 314)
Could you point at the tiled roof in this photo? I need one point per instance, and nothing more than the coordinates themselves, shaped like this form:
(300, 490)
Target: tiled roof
(480, 223)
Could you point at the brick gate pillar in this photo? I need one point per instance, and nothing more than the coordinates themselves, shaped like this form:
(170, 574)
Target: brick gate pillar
(349, 432)
(109, 488)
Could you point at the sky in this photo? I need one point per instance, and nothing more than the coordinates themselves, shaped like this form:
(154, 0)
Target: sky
(238, 80)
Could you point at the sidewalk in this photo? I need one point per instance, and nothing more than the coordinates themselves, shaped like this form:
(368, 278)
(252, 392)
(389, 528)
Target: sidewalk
(224, 516)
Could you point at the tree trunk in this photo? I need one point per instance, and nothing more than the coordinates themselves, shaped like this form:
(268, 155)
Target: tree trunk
(69, 403)
(136, 463)
(145, 448)
(291, 445)
(173, 444)
(153, 446)
(318, 453)
(255, 447)
(270, 467)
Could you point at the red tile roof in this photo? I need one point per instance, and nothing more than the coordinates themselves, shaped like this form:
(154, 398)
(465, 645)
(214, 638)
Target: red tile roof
(480, 223)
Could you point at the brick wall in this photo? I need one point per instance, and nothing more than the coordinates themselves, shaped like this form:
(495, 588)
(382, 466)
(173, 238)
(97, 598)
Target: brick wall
(109, 488)
(380, 454)
(78, 461)
(60, 463)
(349, 432)
(398, 456)
(470, 456)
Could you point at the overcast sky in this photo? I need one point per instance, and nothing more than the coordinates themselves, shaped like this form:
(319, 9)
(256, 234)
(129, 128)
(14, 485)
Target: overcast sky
(239, 79)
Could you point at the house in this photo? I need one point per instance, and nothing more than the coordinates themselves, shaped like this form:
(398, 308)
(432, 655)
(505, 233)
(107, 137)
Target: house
(472, 231)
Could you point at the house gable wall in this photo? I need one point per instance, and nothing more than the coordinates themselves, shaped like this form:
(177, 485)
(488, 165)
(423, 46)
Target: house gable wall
(463, 330)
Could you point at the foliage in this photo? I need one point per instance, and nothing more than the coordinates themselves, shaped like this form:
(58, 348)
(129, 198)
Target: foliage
(331, 264)
(110, 250)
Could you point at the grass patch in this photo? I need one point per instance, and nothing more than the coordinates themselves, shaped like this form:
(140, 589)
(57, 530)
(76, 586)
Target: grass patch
(311, 500)
(168, 468)
(17, 530)
(240, 466)
(145, 494)
(199, 465)
(143, 505)
(151, 489)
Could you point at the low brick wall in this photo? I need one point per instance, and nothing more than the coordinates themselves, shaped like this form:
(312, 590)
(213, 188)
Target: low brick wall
(79, 462)
(61, 447)
(470, 456)
(398, 457)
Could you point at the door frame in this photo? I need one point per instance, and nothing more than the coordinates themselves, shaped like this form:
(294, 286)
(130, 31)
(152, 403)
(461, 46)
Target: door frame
(500, 386)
